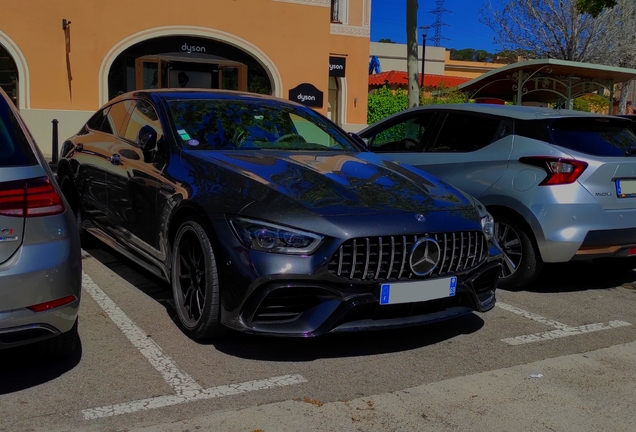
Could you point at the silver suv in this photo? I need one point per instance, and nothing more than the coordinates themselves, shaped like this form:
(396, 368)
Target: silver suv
(40, 259)
(561, 185)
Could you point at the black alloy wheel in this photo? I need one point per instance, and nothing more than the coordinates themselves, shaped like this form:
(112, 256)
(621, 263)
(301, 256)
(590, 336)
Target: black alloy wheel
(195, 283)
(522, 263)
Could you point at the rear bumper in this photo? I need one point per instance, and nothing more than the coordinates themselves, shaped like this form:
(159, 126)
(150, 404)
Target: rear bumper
(607, 243)
(38, 273)
(583, 231)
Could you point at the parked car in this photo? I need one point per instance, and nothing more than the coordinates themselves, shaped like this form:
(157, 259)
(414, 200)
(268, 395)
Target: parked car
(40, 255)
(632, 117)
(561, 185)
(265, 217)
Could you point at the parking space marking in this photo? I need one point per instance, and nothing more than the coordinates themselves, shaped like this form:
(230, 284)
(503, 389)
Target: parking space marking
(185, 387)
(562, 330)
(178, 380)
(214, 392)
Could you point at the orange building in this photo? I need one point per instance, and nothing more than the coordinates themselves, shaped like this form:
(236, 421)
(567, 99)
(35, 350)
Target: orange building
(64, 59)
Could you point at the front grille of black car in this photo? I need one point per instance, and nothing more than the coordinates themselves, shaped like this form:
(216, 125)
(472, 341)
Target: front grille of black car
(387, 257)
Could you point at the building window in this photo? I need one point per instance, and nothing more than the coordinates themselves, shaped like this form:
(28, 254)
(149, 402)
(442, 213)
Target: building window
(335, 11)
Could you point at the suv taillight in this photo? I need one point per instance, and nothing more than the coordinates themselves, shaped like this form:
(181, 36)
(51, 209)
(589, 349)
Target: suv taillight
(560, 171)
(29, 198)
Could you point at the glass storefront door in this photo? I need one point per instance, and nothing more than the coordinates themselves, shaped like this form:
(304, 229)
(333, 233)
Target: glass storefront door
(151, 73)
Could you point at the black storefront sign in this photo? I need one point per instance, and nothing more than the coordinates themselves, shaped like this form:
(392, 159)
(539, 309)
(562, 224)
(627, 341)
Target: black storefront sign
(307, 95)
(337, 67)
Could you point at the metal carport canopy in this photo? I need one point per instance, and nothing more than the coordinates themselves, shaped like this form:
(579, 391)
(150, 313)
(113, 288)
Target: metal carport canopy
(547, 80)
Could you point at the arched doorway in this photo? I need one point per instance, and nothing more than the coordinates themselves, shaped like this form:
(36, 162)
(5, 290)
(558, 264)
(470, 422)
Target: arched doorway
(186, 61)
(8, 75)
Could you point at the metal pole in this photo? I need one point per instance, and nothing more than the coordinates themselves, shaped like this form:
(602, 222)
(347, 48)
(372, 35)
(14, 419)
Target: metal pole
(54, 150)
(423, 57)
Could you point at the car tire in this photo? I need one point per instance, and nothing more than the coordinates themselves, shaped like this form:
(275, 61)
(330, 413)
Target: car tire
(522, 262)
(617, 265)
(58, 347)
(195, 281)
(72, 197)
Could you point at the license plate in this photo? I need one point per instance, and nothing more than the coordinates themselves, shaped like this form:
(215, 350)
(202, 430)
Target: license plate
(418, 291)
(625, 188)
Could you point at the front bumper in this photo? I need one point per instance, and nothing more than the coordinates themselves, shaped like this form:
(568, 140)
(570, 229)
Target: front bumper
(298, 308)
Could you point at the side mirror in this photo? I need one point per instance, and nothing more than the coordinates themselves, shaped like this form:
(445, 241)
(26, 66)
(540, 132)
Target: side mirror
(357, 138)
(147, 141)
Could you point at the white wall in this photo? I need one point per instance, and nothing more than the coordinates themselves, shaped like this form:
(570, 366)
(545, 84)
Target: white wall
(393, 57)
(39, 122)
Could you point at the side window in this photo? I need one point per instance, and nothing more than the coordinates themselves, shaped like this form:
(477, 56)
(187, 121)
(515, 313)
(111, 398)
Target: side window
(464, 132)
(403, 136)
(310, 132)
(117, 114)
(99, 122)
(143, 114)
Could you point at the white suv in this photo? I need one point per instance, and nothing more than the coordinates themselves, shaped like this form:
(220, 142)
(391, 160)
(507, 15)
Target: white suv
(560, 184)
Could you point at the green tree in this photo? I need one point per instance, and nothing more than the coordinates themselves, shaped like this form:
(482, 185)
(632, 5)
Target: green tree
(386, 40)
(591, 103)
(470, 54)
(595, 7)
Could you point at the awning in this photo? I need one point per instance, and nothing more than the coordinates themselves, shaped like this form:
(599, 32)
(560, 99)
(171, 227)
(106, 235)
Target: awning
(547, 80)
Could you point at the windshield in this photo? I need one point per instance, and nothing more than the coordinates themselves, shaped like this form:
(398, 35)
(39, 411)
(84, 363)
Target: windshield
(213, 124)
(598, 137)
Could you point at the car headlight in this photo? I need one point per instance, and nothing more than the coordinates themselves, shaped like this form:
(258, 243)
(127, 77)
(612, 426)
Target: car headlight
(486, 219)
(267, 237)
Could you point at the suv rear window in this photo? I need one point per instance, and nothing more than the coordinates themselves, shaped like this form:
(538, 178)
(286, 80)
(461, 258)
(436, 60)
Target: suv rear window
(14, 146)
(598, 137)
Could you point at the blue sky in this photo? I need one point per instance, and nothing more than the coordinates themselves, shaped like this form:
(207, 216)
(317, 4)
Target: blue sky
(388, 20)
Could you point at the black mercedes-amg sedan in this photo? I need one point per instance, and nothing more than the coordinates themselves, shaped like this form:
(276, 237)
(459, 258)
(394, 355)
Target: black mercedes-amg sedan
(266, 217)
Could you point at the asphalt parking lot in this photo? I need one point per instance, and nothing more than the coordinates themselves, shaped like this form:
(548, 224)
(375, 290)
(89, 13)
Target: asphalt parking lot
(558, 355)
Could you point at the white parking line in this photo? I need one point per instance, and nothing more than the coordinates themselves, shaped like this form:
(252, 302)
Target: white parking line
(186, 389)
(163, 401)
(562, 330)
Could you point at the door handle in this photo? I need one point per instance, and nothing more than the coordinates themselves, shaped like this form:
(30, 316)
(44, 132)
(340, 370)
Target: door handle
(115, 159)
(167, 189)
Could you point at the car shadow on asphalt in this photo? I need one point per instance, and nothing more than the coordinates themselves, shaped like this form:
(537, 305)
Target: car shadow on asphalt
(338, 345)
(23, 367)
(579, 276)
(294, 349)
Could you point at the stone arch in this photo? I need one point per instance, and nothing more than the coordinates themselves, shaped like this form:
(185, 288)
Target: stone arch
(204, 32)
(24, 95)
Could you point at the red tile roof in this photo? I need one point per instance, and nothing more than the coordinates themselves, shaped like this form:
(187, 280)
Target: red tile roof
(400, 78)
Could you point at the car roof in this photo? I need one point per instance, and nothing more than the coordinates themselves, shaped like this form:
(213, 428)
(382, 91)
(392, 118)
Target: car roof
(511, 111)
(173, 94)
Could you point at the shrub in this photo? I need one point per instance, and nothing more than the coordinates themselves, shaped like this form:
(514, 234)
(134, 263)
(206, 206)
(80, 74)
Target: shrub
(385, 102)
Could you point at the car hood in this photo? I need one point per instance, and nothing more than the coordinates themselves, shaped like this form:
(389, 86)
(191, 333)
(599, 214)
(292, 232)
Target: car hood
(331, 184)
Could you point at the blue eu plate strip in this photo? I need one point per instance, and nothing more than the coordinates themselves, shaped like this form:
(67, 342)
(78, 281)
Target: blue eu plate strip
(385, 292)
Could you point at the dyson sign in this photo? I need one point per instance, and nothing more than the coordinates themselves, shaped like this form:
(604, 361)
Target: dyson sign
(192, 48)
(306, 94)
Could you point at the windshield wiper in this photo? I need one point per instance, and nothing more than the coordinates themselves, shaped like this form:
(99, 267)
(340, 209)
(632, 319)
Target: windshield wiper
(630, 151)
